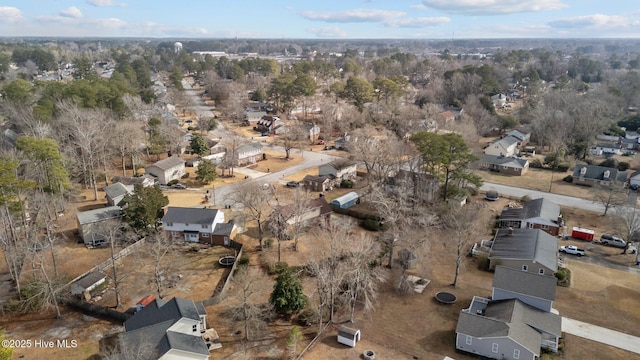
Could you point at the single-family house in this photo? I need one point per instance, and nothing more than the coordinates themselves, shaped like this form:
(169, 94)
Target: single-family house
(171, 168)
(248, 154)
(193, 224)
(217, 153)
(223, 233)
(271, 124)
(591, 175)
(116, 192)
(89, 221)
(634, 179)
(319, 183)
(87, 283)
(507, 146)
(144, 180)
(340, 169)
(531, 250)
(311, 131)
(499, 100)
(506, 329)
(314, 211)
(505, 164)
(523, 139)
(535, 290)
(259, 106)
(346, 201)
(168, 330)
(539, 213)
(630, 143)
(251, 117)
(422, 185)
(606, 149)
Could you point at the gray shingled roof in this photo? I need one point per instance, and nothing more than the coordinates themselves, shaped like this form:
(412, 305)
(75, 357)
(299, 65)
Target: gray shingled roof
(597, 173)
(132, 180)
(516, 311)
(526, 244)
(512, 162)
(117, 189)
(249, 147)
(224, 229)
(537, 208)
(169, 163)
(161, 340)
(526, 283)
(317, 179)
(182, 215)
(101, 214)
(174, 309)
(518, 135)
(341, 164)
(89, 279)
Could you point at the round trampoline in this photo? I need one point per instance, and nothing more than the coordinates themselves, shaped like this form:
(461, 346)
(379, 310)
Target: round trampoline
(227, 261)
(445, 297)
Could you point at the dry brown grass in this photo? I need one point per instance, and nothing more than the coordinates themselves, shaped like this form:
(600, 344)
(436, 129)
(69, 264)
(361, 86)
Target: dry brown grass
(540, 180)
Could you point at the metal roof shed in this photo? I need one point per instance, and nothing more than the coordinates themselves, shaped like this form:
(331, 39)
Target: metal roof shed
(346, 201)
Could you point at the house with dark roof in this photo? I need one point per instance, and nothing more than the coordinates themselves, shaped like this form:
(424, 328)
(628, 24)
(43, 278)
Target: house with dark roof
(89, 221)
(505, 164)
(193, 224)
(506, 329)
(116, 192)
(87, 283)
(319, 183)
(223, 233)
(535, 290)
(590, 175)
(171, 168)
(531, 250)
(507, 146)
(539, 213)
(271, 124)
(340, 169)
(167, 330)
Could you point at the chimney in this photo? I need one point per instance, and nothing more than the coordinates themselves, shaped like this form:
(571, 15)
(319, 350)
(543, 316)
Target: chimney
(510, 231)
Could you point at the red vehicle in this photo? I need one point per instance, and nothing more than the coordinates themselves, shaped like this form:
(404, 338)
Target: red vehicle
(582, 234)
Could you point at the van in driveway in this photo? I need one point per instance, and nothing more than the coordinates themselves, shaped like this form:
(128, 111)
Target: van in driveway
(613, 241)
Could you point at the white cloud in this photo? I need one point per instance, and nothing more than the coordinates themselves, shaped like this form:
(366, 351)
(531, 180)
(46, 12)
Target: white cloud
(594, 21)
(418, 22)
(10, 14)
(72, 12)
(328, 32)
(351, 16)
(419, 7)
(106, 3)
(493, 7)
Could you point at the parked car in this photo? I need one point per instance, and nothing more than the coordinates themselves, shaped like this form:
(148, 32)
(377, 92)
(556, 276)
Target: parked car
(293, 184)
(611, 240)
(179, 186)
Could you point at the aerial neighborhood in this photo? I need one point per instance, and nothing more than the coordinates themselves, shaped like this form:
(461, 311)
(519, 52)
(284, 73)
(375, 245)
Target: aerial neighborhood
(297, 199)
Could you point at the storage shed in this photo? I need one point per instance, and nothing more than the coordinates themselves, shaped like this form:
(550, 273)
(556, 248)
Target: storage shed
(346, 201)
(348, 336)
(87, 283)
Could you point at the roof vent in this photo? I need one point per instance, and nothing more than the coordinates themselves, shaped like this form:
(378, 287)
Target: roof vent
(606, 174)
(583, 171)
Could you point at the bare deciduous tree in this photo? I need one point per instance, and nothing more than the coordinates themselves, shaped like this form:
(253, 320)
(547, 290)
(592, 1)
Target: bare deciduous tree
(255, 200)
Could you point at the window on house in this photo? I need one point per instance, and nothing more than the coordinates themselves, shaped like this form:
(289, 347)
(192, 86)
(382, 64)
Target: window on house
(544, 227)
(169, 224)
(175, 233)
(205, 235)
(541, 271)
(494, 347)
(204, 226)
(469, 340)
(531, 226)
(187, 224)
(525, 268)
(194, 328)
(516, 354)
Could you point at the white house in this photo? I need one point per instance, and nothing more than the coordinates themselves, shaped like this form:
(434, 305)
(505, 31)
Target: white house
(340, 169)
(116, 193)
(194, 224)
(248, 154)
(507, 146)
(171, 168)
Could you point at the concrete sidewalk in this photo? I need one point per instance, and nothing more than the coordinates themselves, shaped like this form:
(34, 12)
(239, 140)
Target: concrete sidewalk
(602, 335)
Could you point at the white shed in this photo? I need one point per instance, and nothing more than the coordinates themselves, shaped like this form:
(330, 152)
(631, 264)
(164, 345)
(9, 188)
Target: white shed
(348, 336)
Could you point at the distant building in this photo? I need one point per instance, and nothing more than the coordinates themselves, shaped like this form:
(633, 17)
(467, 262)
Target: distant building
(171, 168)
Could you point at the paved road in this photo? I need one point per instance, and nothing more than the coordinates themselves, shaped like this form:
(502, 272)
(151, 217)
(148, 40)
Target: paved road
(561, 200)
(602, 335)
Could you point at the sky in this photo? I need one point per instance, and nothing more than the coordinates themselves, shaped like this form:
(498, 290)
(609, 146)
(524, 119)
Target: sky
(322, 19)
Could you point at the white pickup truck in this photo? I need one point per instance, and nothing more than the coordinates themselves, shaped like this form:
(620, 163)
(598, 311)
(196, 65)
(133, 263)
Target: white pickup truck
(571, 249)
